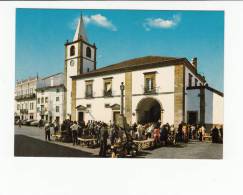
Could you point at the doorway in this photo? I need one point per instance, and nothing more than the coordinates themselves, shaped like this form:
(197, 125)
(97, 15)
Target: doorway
(80, 116)
(192, 117)
(148, 110)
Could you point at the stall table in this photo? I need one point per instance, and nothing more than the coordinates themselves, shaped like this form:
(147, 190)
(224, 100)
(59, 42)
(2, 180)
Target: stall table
(87, 141)
(144, 144)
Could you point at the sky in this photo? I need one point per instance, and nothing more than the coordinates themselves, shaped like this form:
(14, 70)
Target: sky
(120, 35)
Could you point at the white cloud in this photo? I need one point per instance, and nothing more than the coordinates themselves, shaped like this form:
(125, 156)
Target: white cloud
(99, 20)
(161, 23)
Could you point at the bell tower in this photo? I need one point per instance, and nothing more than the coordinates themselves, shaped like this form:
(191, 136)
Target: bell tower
(80, 58)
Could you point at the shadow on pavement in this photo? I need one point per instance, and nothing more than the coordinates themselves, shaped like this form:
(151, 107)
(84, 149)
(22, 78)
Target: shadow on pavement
(31, 147)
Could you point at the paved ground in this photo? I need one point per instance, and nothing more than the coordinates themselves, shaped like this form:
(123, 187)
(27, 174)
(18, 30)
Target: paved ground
(29, 141)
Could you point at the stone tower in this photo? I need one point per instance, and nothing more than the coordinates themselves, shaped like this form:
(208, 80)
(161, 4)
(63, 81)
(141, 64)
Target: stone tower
(80, 58)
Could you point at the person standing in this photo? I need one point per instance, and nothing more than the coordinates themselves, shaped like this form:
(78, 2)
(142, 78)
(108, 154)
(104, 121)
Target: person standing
(74, 129)
(185, 133)
(19, 123)
(103, 140)
(56, 127)
(47, 132)
(215, 135)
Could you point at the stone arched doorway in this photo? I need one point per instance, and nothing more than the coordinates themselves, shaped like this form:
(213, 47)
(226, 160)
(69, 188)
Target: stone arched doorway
(148, 110)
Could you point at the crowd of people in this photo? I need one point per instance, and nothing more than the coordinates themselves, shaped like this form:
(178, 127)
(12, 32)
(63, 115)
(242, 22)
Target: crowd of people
(161, 134)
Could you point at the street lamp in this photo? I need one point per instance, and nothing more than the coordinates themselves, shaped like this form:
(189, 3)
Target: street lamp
(122, 88)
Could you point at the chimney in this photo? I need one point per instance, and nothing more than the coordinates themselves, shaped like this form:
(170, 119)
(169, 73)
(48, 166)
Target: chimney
(194, 62)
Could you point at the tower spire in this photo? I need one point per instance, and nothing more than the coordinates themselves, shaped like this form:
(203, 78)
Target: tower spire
(80, 30)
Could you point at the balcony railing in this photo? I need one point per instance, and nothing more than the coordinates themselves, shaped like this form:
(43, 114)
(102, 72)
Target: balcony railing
(88, 95)
(24, 111)
(25, 97)
(107, 93)
(150, 90)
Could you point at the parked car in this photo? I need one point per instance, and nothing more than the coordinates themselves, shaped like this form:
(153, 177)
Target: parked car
(24, 122)
(28, 122)
(34, 123)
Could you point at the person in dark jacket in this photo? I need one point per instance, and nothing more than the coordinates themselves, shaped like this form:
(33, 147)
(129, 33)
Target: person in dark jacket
(215, 135)
(103, 140)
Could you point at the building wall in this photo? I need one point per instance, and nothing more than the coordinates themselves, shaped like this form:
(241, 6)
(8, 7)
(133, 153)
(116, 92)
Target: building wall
(164, 80)
(92, 51)
(98, 85)
(214, 108)
(165, 94)
(98, 111)
(71, 71)
(193, 102)
(26, 105)
(50, 106)
(192, 98)
(88, 65)
(24, 88)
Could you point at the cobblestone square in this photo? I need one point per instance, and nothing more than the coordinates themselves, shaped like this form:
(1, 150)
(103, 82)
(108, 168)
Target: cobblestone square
(29, 141)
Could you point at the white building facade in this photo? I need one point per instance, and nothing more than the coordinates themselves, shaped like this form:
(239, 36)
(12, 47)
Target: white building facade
(50, 98)
(25, 99)
(156, 88)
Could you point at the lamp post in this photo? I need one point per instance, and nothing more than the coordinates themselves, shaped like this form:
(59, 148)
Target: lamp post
(122, 88)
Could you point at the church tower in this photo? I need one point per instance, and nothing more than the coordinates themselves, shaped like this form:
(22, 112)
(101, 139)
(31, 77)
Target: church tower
(80, 57)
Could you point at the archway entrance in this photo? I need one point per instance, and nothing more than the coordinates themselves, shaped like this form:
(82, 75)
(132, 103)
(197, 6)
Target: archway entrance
(148, 110)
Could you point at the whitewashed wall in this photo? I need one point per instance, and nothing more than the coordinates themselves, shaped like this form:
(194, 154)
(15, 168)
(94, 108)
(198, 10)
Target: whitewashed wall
(164, 82)
(164, 79)
(92, 51)
(187, 71)
(52, 103)
(76, 50)
(98, 110)
(98, 85)
(214, 108)
(87, 65)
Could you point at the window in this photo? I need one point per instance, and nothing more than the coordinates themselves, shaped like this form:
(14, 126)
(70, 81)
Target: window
(196, 82)
(57, 99)
(88, 52)
(31, 106)
(38, 100)
(38, 109)
(18, 106)
(149, 82)
(189, 80)
(88, 105)
(42, 100)
(72, 50)
(107, 87)
(58, 90)
(57, 108)
(89, 89)
(46, 100)
(42, 108)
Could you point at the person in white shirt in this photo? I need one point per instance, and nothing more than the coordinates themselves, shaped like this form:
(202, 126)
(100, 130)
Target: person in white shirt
(74, 128)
